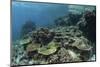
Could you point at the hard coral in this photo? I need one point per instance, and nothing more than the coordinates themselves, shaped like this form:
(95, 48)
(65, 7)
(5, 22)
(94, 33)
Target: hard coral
(87, 24)
(49, 49)
(43, 36)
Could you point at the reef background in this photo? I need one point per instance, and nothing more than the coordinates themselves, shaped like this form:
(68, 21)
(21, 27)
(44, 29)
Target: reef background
(52, 33)
(24, 11)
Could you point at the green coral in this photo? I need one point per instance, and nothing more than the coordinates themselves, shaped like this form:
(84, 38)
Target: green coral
(33, 47)
(49, 49)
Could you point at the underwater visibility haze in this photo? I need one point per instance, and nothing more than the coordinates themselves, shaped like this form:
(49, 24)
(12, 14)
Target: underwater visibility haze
(51, 33)
(41, 14)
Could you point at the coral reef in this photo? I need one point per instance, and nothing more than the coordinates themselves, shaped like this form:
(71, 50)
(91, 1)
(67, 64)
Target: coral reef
(62, 44)
(87, 24)
(70, 19)
(47, 50)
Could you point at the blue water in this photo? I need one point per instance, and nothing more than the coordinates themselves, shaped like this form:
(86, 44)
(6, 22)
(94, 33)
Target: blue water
(40, 13)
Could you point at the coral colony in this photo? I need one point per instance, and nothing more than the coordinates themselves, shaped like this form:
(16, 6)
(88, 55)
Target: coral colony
(72, 38)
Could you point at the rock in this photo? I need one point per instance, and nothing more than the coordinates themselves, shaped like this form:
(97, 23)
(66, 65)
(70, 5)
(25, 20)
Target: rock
(43, 62)
(87, 25)
(78, 34)
(93, 58)
(23, 62)
(66, 43)
(31, 62)
(53, 59)
(68, 55)
(63, 55)
(69, 19)
(73, 55)
(71, 40)
(82, 44)
(43, 36)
